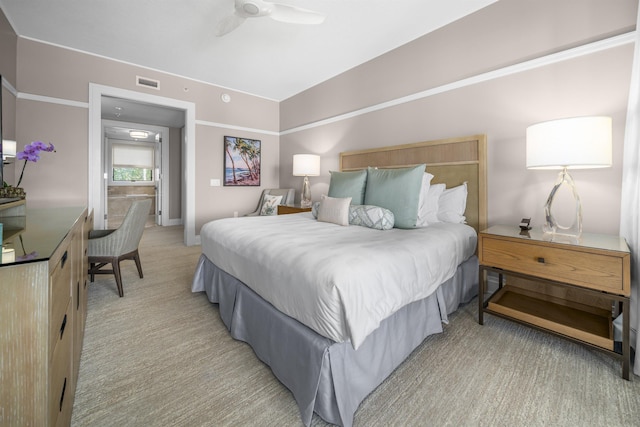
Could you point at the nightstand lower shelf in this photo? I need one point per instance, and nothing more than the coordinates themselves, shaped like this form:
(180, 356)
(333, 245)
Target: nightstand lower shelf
(588, 324)
(581, 323)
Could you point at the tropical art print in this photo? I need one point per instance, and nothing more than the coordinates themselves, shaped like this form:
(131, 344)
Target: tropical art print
(241, 161)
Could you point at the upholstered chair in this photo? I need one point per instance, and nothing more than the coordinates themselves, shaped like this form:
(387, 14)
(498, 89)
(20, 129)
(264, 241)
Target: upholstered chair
(112, 246)
(288, 196)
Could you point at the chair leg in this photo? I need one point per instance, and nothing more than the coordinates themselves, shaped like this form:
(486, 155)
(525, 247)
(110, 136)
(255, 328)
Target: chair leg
(93, 264)
(136, 258)
(116, 272)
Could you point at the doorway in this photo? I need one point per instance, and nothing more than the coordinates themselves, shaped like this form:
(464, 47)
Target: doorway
(136, 157)
(155, 107)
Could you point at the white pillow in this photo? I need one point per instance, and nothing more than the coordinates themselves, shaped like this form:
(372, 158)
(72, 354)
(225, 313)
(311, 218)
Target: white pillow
(270, 204)
(334, 210)
(432, 203)
(452, 204)
(422, 200)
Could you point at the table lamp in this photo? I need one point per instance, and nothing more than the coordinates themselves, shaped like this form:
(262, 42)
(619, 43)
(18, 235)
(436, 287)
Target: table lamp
(306, 165)
(8, 149)
(573, 143)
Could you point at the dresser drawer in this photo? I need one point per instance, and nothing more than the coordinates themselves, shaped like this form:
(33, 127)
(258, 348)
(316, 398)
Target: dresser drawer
(60, 382)
(60, 297)
(590, 269)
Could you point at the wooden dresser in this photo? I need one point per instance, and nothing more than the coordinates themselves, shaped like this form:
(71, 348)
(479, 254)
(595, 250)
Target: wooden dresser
(43, 300)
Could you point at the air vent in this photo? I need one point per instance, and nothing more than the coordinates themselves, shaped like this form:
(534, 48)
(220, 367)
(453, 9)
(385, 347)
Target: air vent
(147, 82)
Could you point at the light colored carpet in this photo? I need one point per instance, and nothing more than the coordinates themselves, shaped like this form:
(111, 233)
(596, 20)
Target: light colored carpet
(160, 356)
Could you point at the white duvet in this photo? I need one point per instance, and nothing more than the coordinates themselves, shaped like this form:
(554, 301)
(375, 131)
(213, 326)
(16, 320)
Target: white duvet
(339, 281)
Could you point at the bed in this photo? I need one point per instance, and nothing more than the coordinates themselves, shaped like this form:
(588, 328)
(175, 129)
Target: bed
(334, 310)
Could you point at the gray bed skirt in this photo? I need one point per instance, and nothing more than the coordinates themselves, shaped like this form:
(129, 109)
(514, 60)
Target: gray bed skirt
(326, 377)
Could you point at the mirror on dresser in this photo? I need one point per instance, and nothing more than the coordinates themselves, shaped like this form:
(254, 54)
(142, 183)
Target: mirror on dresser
(7, 135)
(1, 140)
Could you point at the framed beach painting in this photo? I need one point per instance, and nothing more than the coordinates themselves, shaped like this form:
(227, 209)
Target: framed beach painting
(241, 161)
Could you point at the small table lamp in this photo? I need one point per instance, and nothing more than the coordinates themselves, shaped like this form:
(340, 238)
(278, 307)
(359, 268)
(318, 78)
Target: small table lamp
(574, 143)
(8, 149)
(306, 165)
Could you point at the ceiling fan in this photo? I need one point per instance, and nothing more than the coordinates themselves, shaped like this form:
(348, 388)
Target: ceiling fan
(258, 8)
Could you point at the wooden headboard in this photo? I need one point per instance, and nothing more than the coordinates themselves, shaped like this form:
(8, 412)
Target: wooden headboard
(451, 161)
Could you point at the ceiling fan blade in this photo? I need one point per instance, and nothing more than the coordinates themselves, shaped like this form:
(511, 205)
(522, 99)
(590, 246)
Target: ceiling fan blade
(229, 24)
(295, 15)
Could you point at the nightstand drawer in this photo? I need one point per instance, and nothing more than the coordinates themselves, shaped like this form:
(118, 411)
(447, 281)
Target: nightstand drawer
(591, 270)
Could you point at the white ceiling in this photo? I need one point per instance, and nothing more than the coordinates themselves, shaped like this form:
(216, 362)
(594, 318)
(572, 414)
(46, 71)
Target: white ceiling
(262, 57)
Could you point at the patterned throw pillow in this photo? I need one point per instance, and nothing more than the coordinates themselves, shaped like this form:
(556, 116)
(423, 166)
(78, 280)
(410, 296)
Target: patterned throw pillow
(366, 216)
(270, 204)
(371, 216)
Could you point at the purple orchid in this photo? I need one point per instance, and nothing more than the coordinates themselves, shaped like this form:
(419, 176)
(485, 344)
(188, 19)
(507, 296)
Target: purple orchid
(31, 154)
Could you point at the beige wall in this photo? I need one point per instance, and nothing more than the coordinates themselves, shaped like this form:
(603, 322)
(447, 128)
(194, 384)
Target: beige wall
(53, 84)
(53, 106)
(333, 116)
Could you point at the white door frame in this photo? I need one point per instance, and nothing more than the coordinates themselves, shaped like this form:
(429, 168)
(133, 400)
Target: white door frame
(95, 158)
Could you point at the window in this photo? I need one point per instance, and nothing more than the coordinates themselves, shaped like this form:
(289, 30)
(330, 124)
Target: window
(132, 163)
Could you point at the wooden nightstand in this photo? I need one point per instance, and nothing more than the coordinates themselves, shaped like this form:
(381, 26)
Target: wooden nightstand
(289, 209)
(572, 287)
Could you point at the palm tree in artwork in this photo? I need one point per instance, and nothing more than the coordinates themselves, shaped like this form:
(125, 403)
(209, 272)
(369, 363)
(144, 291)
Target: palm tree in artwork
(249, 153)
(230, 145)
(255, 159)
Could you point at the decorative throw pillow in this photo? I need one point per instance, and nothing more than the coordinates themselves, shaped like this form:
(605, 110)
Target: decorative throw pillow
(348, 184)
(270, 204)
(334, 210)
(397, 190)
(371, 216)
(423, 206)
(452, 204)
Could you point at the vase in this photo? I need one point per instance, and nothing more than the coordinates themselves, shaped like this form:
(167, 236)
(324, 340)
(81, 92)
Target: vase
(12, 192)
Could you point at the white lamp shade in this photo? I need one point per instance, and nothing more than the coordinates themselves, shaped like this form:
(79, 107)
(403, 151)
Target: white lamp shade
(575, 143)
(8, 148)
(306, 165)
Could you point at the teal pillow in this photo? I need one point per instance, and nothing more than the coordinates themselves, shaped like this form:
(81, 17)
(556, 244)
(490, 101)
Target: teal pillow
(397, 190)
(348, 184)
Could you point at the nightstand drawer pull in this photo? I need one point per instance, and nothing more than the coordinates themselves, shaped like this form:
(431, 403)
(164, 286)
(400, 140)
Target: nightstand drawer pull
(541, 260)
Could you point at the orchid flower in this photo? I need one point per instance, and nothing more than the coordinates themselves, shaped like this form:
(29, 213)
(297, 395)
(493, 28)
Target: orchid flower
(31, 154)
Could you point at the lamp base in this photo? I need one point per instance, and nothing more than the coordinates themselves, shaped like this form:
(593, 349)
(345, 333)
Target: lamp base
(551, 224)
(306, 193)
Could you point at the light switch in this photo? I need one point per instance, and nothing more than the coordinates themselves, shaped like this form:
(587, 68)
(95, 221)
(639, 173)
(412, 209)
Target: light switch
(214, 183)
